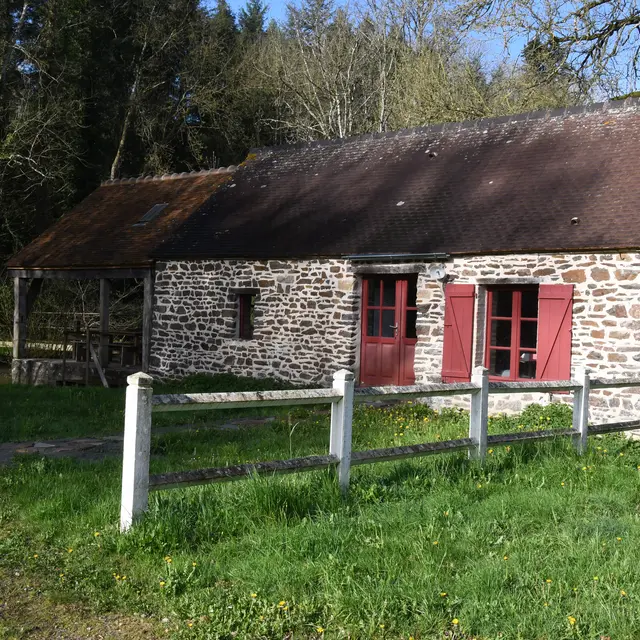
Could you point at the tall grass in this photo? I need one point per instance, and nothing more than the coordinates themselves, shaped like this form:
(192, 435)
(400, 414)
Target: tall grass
(536, 543)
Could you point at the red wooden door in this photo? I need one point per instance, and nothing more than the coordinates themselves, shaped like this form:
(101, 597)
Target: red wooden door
(389, 339)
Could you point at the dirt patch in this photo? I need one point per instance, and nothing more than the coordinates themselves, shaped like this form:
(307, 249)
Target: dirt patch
(27, 612)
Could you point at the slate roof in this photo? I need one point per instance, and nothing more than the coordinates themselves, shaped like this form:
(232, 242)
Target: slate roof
(100, 232)
(509, 184)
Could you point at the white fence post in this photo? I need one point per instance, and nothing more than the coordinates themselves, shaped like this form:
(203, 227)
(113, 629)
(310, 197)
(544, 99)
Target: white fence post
(341, 420)
(137, 446)
(581, 410)
(479, 415)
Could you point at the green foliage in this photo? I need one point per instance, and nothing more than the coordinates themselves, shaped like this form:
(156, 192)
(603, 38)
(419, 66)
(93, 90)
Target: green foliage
(518, 548)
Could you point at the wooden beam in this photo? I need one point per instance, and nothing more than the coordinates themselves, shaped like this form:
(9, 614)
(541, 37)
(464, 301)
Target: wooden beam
(209, 401)
(19, 317)
(147, 320)
(98, 366)
(409, 451)
(177, 479)
(124, 273)
(32, 295)
(105, 294)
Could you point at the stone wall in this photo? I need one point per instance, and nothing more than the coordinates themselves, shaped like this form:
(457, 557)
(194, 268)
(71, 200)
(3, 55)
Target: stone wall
(305, 319)
(606, 319)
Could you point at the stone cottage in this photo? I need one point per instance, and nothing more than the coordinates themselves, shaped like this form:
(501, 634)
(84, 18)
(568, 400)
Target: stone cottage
(511, 243)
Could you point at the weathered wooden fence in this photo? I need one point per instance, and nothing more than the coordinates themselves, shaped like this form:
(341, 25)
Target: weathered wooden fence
(141, 403)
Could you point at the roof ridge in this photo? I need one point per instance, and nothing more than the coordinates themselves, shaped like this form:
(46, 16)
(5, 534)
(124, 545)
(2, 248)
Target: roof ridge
(170, 176)
(614, 105)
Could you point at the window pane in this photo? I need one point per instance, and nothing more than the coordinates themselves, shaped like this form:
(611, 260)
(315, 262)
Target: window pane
(373, 287)
(528, 334)
(529, 305)
(373, 322)
(388, 323)
(412, 292)
(527, 365)
(411, 324)
(502, 303)
(499, 363)
(389, 292)
(500, 333)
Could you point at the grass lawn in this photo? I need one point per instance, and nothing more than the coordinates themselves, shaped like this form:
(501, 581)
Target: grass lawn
(537, 543)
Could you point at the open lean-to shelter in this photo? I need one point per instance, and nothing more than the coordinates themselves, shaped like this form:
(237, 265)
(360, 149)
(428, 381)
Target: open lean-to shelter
(512, 243)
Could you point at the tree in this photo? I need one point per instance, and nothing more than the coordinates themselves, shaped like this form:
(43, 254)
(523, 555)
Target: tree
(601, 38)
(252, 19)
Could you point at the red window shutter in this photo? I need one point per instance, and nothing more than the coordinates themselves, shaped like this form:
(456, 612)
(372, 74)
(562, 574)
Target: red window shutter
(458, 332)
(554, 331)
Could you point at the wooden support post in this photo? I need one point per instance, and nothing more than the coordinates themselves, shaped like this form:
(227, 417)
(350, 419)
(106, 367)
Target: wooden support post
(19, 317)
(137, 448)
(147, 320)
(32, 295)
(341, 421)
(479, 415)
(105, 294)
(87, 370)
(581, 409)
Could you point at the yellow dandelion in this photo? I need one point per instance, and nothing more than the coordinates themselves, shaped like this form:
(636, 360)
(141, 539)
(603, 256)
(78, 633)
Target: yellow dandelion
(435, 542)
(546, 604)
(124, 577)
(479, 486)
(285, 608)
(254, 595)
(571, 620)
(168, 559)
(562, 484)
(162, 583)
(443, 594)
(381, 626)
(70, 550)
(584, 468)
(61, 575)
(320, 629)
(621, 454)
(508, 448)
(35, 555)
(505, 557)
(189, 624)
(96, 534)
(490, 452)
(194, 564)
(623, 593)
(548, 580)
(281, 603)
(619, 539)
(261, 617)
(446, 514)
(455, 621)
(596, 578)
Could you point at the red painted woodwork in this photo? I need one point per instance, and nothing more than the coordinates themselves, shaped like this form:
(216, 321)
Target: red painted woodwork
(554, 332)
(511, 340)
(458, 332)
(389, 314)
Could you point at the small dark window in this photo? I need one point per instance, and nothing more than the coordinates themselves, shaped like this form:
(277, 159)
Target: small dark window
(246, 304)
(152, 214)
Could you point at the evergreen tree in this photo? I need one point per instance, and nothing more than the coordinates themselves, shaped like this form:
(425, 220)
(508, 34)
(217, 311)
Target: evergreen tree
(252, 19)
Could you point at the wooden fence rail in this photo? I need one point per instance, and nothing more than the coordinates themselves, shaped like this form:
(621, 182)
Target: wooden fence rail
(141, 403)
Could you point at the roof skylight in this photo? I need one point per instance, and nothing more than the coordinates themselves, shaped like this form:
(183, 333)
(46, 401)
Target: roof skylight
(152, 214)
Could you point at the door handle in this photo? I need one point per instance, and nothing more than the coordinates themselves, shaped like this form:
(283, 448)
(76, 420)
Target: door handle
(394, 326)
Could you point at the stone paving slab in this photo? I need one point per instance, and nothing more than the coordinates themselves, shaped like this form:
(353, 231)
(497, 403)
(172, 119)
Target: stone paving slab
(97, 449)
